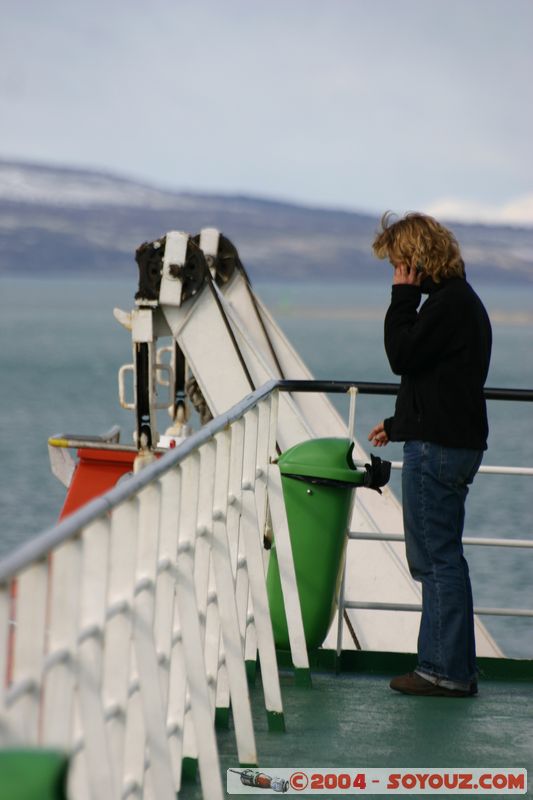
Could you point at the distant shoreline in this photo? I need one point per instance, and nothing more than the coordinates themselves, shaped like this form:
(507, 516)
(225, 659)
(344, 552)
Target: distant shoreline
(79, 221)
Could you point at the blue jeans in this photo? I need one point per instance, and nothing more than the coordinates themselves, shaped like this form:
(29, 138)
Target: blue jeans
(435, 484)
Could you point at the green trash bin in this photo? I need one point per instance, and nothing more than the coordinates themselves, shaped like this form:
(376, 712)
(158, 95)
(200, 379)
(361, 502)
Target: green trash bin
(318, 479)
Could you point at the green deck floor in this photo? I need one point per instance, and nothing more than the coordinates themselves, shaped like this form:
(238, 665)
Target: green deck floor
(355, 720)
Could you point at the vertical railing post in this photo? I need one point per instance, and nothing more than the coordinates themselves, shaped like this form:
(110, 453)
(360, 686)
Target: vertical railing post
(29, 652)
(233, 645)
(248, 521)
(193, 652)
(164, 591)
(153, 714)
(352, 391)
(287, 572)
(234, 523)
(60, 678)
(340, 611)
(167, 620)
(118, 630)
(263, 452)
(5, 652)
(99, 768)
(252, 533)
(237, 559)
(203, 569)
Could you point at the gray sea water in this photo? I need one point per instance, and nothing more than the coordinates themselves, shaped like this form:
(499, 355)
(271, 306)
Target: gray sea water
(61, 349)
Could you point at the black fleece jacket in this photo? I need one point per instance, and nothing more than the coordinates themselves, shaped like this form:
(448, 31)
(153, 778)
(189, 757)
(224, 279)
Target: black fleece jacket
(442, 353)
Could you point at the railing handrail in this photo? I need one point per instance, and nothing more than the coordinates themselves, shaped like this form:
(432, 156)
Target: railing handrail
(483, 541)
(38, 547)
(381, 388)
(482, 611)
(483, 470)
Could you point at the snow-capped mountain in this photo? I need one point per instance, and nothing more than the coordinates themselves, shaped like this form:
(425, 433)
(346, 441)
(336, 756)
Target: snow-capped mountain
(57, 219)
(69, 188)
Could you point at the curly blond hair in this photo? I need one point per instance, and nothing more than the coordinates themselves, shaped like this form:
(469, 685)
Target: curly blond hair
(418, 240)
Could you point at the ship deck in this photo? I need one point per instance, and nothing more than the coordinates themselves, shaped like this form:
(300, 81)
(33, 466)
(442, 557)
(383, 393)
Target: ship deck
(352, 719)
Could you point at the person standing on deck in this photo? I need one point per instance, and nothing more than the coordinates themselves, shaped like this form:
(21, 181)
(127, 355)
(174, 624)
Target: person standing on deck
(442, 352)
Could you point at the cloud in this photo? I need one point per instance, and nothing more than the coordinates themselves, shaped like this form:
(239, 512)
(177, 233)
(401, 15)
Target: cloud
(517, 211)
(341, 104)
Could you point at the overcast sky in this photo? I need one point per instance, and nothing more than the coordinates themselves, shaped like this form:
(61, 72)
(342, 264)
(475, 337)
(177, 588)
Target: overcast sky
(361, 104)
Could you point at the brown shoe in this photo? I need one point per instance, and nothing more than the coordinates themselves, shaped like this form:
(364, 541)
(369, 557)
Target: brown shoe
(413, 683)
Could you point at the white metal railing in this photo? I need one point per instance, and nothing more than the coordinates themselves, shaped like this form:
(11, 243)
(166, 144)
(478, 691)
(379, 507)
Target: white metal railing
(482, 541)
(352, 389)
(399, 537)
(124, 627)
(487, 470)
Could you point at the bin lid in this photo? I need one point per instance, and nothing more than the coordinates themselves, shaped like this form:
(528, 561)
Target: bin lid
(322, 458)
